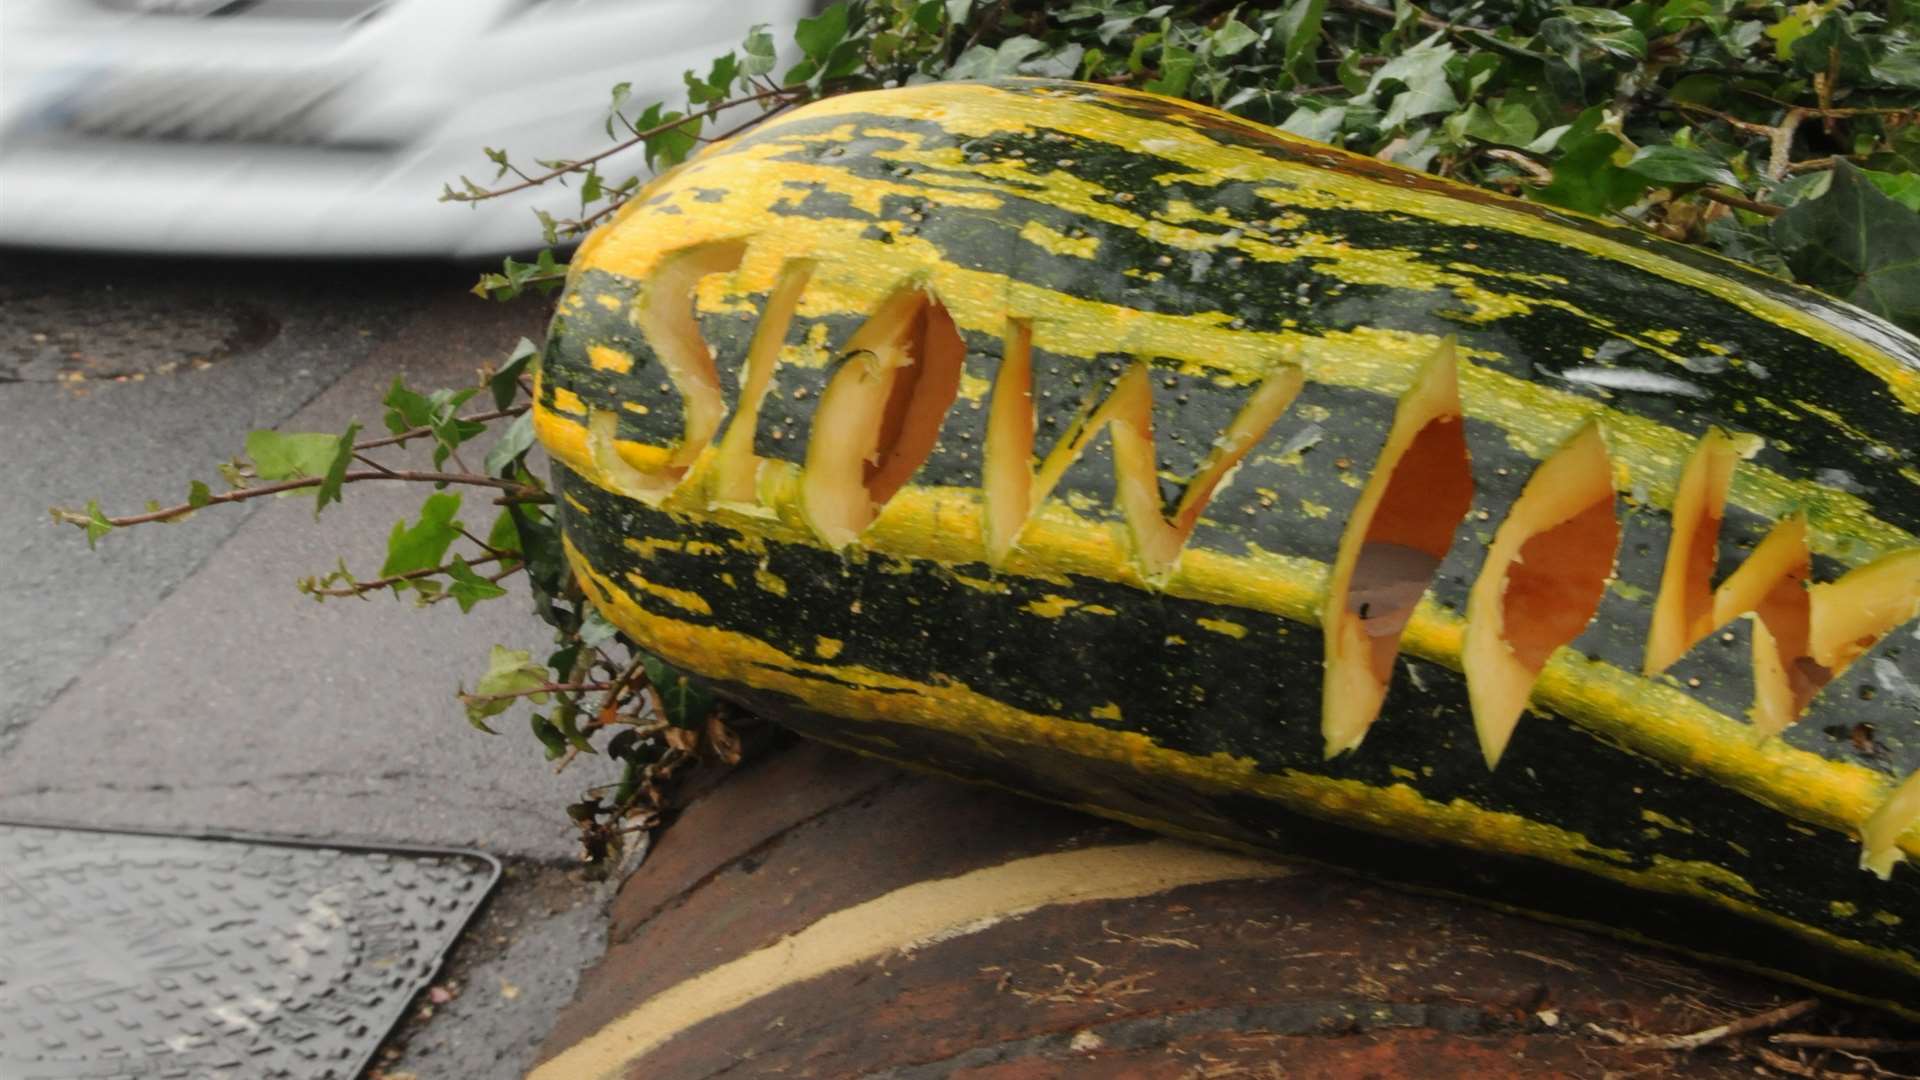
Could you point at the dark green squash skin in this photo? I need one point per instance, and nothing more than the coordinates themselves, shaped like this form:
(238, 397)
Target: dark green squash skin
(1195, 691)
(1217, 694)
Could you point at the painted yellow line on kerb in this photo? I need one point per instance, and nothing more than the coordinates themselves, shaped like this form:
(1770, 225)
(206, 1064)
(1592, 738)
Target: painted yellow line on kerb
(918, 914)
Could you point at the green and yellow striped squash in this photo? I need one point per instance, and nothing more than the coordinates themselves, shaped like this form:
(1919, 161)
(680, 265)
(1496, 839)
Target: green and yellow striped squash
(1099, 445)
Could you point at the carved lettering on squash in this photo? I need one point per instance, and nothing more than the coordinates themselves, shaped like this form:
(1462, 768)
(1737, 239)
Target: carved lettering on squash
(736, 467)
(1419, 491)
(1803, 638)
(1541, 585)
(1015, 490)
(664, 315)
(880, 414)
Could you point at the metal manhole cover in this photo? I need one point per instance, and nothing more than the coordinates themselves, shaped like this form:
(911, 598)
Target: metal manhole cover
(127, 955)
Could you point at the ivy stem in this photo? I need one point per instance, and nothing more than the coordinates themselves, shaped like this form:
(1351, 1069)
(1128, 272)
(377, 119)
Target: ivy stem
(243, 494)
(638, 138)
(360, 587)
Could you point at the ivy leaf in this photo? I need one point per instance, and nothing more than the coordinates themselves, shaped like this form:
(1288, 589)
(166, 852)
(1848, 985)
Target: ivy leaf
(1422, 69)
(406, 408)
(329, 490)
(1300, 22)
(1232, 38)
(505, 383)
(97, 524)
(1899, 65)
(1497, 122)
(818, 35)
(509, 671)
(1322, 125)
(1833, 44)
(1585, 178)
(425, 544)
(549, 736)
(760, 52)
(982, 62)
(1176, 71)
(468, 588)
(1681, 165)
(278, 456)
(1858, 243)
(199, 495)
(595, 630)
(505, 535)
(1798, 23)
(685, 703)
(1903, 188)
(515, 442)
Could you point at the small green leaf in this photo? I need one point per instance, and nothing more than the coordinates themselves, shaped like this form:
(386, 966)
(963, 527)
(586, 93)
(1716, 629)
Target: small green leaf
(1322, 125)
(504, 536)
(595, 630)
(97, 524)
(818, 35)
(329, 490)
(549, 736)
(505, 383)
(1833, 44)
(278, 456)
(761, 54)
(1176, 71)
(198, 495)
(686, 703)
(425, 544)
(1422, 70)
(1232, 38)
(981, 62)
(517, 439)
(1799, 22)
(469, 588)
(1301, 25)
(1903, 188)
(509, 671)
(1586, 177)
(1681, 165)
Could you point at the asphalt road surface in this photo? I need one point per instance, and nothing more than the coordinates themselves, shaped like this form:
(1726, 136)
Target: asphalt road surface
(175, 680)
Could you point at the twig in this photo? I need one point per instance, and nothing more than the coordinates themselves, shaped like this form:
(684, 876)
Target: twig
(1855, 1043)
(1708, 1036)
(243, 494)
(1783, 143)
(1462, 33)
(1789, 1066)
(639, 137)
(420, 432)
(543, 688)
(1531, 167)
(360, 587)
(1730, 199)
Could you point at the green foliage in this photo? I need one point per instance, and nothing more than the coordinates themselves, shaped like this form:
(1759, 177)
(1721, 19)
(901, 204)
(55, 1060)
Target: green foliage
(1700, 120)
(1857, 242)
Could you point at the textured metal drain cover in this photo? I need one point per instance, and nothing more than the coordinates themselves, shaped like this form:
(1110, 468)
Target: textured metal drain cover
(128, 955)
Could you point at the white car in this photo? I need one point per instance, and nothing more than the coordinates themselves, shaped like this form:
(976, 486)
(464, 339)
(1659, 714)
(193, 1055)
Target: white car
(324, 127)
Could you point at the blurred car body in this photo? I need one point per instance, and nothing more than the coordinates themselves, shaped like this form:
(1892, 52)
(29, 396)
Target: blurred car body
(324, 127)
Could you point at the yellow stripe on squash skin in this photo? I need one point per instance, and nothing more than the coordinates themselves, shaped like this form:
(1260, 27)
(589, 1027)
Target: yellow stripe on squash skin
(1645, 715)
(950, 706)
(861, 272)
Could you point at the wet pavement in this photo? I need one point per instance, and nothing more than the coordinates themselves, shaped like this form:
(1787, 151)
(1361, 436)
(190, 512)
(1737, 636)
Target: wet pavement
(175, 680)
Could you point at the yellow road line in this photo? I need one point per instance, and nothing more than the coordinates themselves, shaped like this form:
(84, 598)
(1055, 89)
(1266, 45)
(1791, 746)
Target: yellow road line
(919, 914)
